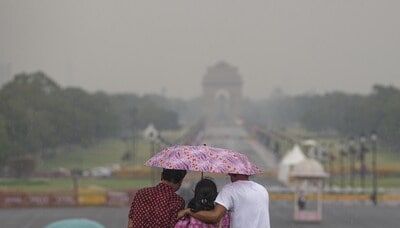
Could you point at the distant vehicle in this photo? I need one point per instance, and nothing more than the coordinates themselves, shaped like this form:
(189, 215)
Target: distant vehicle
(101, 172)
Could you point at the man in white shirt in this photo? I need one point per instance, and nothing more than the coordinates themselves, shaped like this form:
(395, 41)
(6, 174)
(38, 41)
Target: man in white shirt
(246, 201)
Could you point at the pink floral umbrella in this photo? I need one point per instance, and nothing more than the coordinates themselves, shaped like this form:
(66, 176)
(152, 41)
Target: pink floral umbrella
(203, 159)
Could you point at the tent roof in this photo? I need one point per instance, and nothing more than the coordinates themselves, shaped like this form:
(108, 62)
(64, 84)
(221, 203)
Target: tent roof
(308, 168)
(293, 156)
(309, 142)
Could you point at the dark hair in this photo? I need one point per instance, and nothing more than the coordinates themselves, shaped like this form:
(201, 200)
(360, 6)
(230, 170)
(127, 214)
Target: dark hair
(204, 196)
(173, 175)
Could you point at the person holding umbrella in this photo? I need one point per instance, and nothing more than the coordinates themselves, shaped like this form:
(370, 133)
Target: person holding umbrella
(247, 201)
(158, 206)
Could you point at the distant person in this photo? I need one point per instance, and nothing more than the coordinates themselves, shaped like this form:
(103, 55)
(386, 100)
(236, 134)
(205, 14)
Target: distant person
(246, 200)
(158, 207)
(301, 202)
(204, 197)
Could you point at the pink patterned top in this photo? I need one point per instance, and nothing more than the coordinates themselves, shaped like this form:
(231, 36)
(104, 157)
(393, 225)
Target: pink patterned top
(190, 222)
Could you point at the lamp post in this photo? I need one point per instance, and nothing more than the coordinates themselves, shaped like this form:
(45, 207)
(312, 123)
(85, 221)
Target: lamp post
(363, 151)
(152, 134)
(76, 173)
(374, 195)
(75, 185)
(152, 152)
(133, 145)
(352, 154)
(342, 154)
(331, 159)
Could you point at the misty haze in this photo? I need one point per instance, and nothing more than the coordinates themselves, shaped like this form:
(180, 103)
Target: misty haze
(98, 97)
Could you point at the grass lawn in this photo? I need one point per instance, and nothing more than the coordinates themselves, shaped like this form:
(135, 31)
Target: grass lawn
(35, 185)
(387, 182)
(104, 153)
(383, 182)
(65, 184)
(116, 184)
(388, 158)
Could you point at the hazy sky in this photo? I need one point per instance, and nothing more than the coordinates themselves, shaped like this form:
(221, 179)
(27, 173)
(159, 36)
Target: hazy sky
(141, 46)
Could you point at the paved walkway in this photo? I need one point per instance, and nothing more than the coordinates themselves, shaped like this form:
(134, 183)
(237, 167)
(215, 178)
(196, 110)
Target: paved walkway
(264, 154)
(334, 216)
(236, 138)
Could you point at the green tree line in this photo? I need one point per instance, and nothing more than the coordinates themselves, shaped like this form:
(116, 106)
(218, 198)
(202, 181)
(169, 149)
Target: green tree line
(347, 114)
(37, 114)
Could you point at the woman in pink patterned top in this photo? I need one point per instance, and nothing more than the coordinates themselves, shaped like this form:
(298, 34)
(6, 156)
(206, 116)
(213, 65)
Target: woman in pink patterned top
(204, 196)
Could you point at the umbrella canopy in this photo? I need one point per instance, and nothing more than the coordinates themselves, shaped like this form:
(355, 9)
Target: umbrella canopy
(75, 223)
(204, 159)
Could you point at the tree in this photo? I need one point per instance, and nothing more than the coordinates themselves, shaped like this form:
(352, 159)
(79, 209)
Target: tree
(4, 142)
(37, 115)
(347, 114)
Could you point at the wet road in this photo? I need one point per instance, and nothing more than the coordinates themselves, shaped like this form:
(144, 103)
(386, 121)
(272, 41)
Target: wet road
(236, 138)
(334, 216)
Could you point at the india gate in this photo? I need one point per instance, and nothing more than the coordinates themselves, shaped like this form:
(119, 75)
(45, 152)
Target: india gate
(222, 93)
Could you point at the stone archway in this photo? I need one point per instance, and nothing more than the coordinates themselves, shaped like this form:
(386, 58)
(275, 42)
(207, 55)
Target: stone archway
(222, 93)
(222, 105)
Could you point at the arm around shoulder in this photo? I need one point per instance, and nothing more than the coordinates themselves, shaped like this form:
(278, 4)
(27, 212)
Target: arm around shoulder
(130, 223)
(212, 216)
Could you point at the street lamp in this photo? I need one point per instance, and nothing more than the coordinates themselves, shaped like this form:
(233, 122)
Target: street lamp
(153, 138)
(363, 151)
(352, 154)
(76, 174)
(374, 195)
(331, 159)
(342, 154)
(133, 145)
(156, 140)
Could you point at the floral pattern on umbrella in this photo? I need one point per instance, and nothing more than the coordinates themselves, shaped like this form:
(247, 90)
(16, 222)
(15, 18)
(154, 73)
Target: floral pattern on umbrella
(204, 159)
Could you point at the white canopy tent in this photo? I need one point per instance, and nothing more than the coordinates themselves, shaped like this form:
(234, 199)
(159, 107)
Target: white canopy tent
(292, 157)
(309, 142)
(308, 178)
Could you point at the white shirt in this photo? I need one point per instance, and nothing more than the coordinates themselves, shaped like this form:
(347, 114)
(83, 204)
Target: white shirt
(248, 203)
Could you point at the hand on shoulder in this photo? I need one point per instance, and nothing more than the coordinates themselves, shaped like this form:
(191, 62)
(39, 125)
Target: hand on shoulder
(183, 213)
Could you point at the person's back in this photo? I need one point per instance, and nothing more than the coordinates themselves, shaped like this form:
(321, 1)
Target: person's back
(247, 202)
(158, 206)
(151, 205)
(204, 196)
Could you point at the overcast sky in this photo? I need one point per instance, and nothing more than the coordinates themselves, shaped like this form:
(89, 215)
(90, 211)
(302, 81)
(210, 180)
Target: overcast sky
(142, 46)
